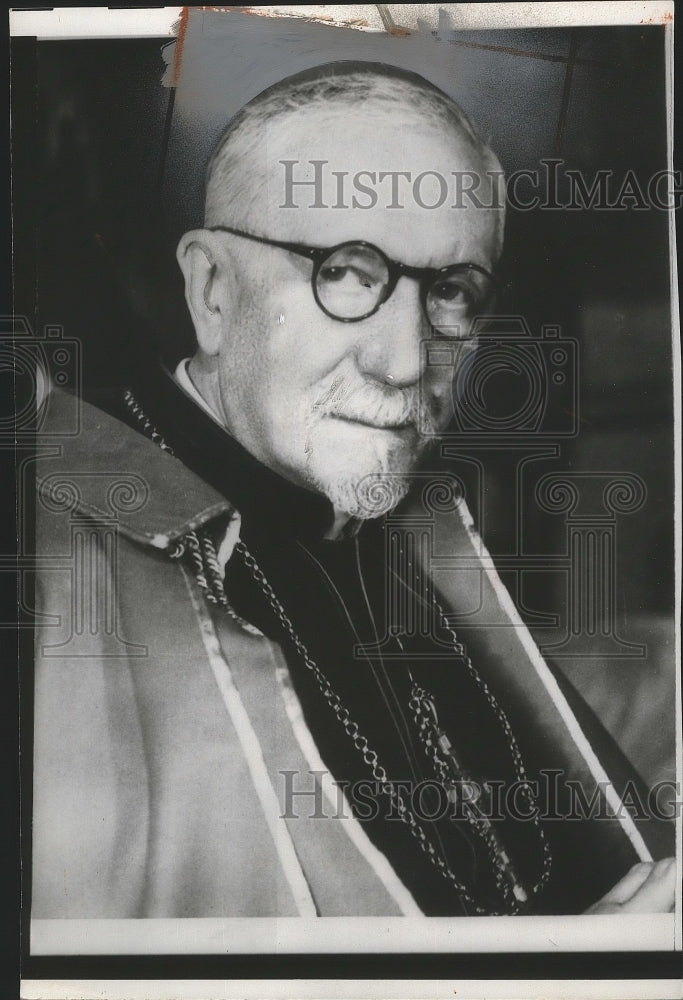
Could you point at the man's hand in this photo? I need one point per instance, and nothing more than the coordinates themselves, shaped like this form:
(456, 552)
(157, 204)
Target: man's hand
(649, 887)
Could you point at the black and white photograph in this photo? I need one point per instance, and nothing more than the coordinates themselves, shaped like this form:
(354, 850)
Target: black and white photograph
(346, 372)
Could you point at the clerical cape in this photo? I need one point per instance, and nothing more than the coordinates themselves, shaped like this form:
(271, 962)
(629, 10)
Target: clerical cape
(189, 761)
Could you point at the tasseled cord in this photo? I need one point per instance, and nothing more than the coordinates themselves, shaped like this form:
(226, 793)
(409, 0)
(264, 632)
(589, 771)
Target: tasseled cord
(196, 547)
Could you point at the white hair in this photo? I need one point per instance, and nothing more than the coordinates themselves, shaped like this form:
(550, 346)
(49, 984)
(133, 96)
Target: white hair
(235, 168)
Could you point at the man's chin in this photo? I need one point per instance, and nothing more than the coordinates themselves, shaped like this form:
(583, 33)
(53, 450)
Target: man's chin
(370, 497)
(368, 493)
(365, 478)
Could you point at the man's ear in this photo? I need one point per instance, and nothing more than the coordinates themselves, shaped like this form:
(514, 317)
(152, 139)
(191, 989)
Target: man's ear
(201, 266)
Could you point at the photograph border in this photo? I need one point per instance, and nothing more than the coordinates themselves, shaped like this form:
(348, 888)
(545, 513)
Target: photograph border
(534, 968)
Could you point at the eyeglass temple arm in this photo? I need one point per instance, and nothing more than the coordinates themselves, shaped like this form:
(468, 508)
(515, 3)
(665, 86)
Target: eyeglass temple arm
(305, 251)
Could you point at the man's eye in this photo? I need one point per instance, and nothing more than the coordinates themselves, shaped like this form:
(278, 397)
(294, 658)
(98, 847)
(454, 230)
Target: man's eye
(338, 274)
(333, 273)
(453, 293)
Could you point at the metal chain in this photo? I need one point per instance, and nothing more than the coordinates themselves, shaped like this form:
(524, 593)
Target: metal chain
(196, 546)
(201, 553)
(458, 783)
(359, 741)
(517, 759)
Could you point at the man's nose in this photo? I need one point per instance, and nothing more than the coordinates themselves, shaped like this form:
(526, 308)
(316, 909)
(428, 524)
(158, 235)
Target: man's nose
(389, 349)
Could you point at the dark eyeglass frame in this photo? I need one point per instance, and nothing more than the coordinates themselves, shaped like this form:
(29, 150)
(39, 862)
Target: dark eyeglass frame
(427, 277)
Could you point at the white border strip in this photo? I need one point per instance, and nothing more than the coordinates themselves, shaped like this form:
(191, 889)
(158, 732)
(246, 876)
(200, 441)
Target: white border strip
(552, 687)
(356, 935)
(374, 857)
(253, 755)
(94, 22)
(101, 22)
(357, 989)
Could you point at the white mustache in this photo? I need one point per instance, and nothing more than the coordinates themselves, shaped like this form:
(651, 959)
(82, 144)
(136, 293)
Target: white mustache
(370, 404)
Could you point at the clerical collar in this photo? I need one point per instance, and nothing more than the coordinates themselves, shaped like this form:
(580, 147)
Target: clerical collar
(182, 377)
(269, 504)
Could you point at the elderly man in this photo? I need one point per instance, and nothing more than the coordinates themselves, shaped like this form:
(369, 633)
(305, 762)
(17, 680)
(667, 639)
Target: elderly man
(248, 734)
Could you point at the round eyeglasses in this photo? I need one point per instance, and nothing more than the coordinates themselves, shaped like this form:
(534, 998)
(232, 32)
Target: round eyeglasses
(352, 280)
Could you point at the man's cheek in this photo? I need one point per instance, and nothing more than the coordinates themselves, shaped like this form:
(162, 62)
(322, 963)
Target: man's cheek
(294, 422)
(436, 404)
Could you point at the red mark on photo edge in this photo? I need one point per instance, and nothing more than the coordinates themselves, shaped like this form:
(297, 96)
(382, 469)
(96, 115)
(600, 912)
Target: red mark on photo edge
(665, 18)
(180, 40)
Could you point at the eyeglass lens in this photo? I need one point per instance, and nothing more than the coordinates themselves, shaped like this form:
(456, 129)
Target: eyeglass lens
(353, 280)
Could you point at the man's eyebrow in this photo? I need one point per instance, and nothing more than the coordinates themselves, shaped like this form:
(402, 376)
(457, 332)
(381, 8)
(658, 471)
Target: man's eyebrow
(363, 251)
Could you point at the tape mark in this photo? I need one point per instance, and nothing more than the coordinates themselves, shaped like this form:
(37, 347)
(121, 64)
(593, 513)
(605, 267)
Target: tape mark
(181, 26)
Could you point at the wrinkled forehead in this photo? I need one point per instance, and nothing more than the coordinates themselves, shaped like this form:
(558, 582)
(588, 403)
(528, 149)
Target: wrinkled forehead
(419, 188)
